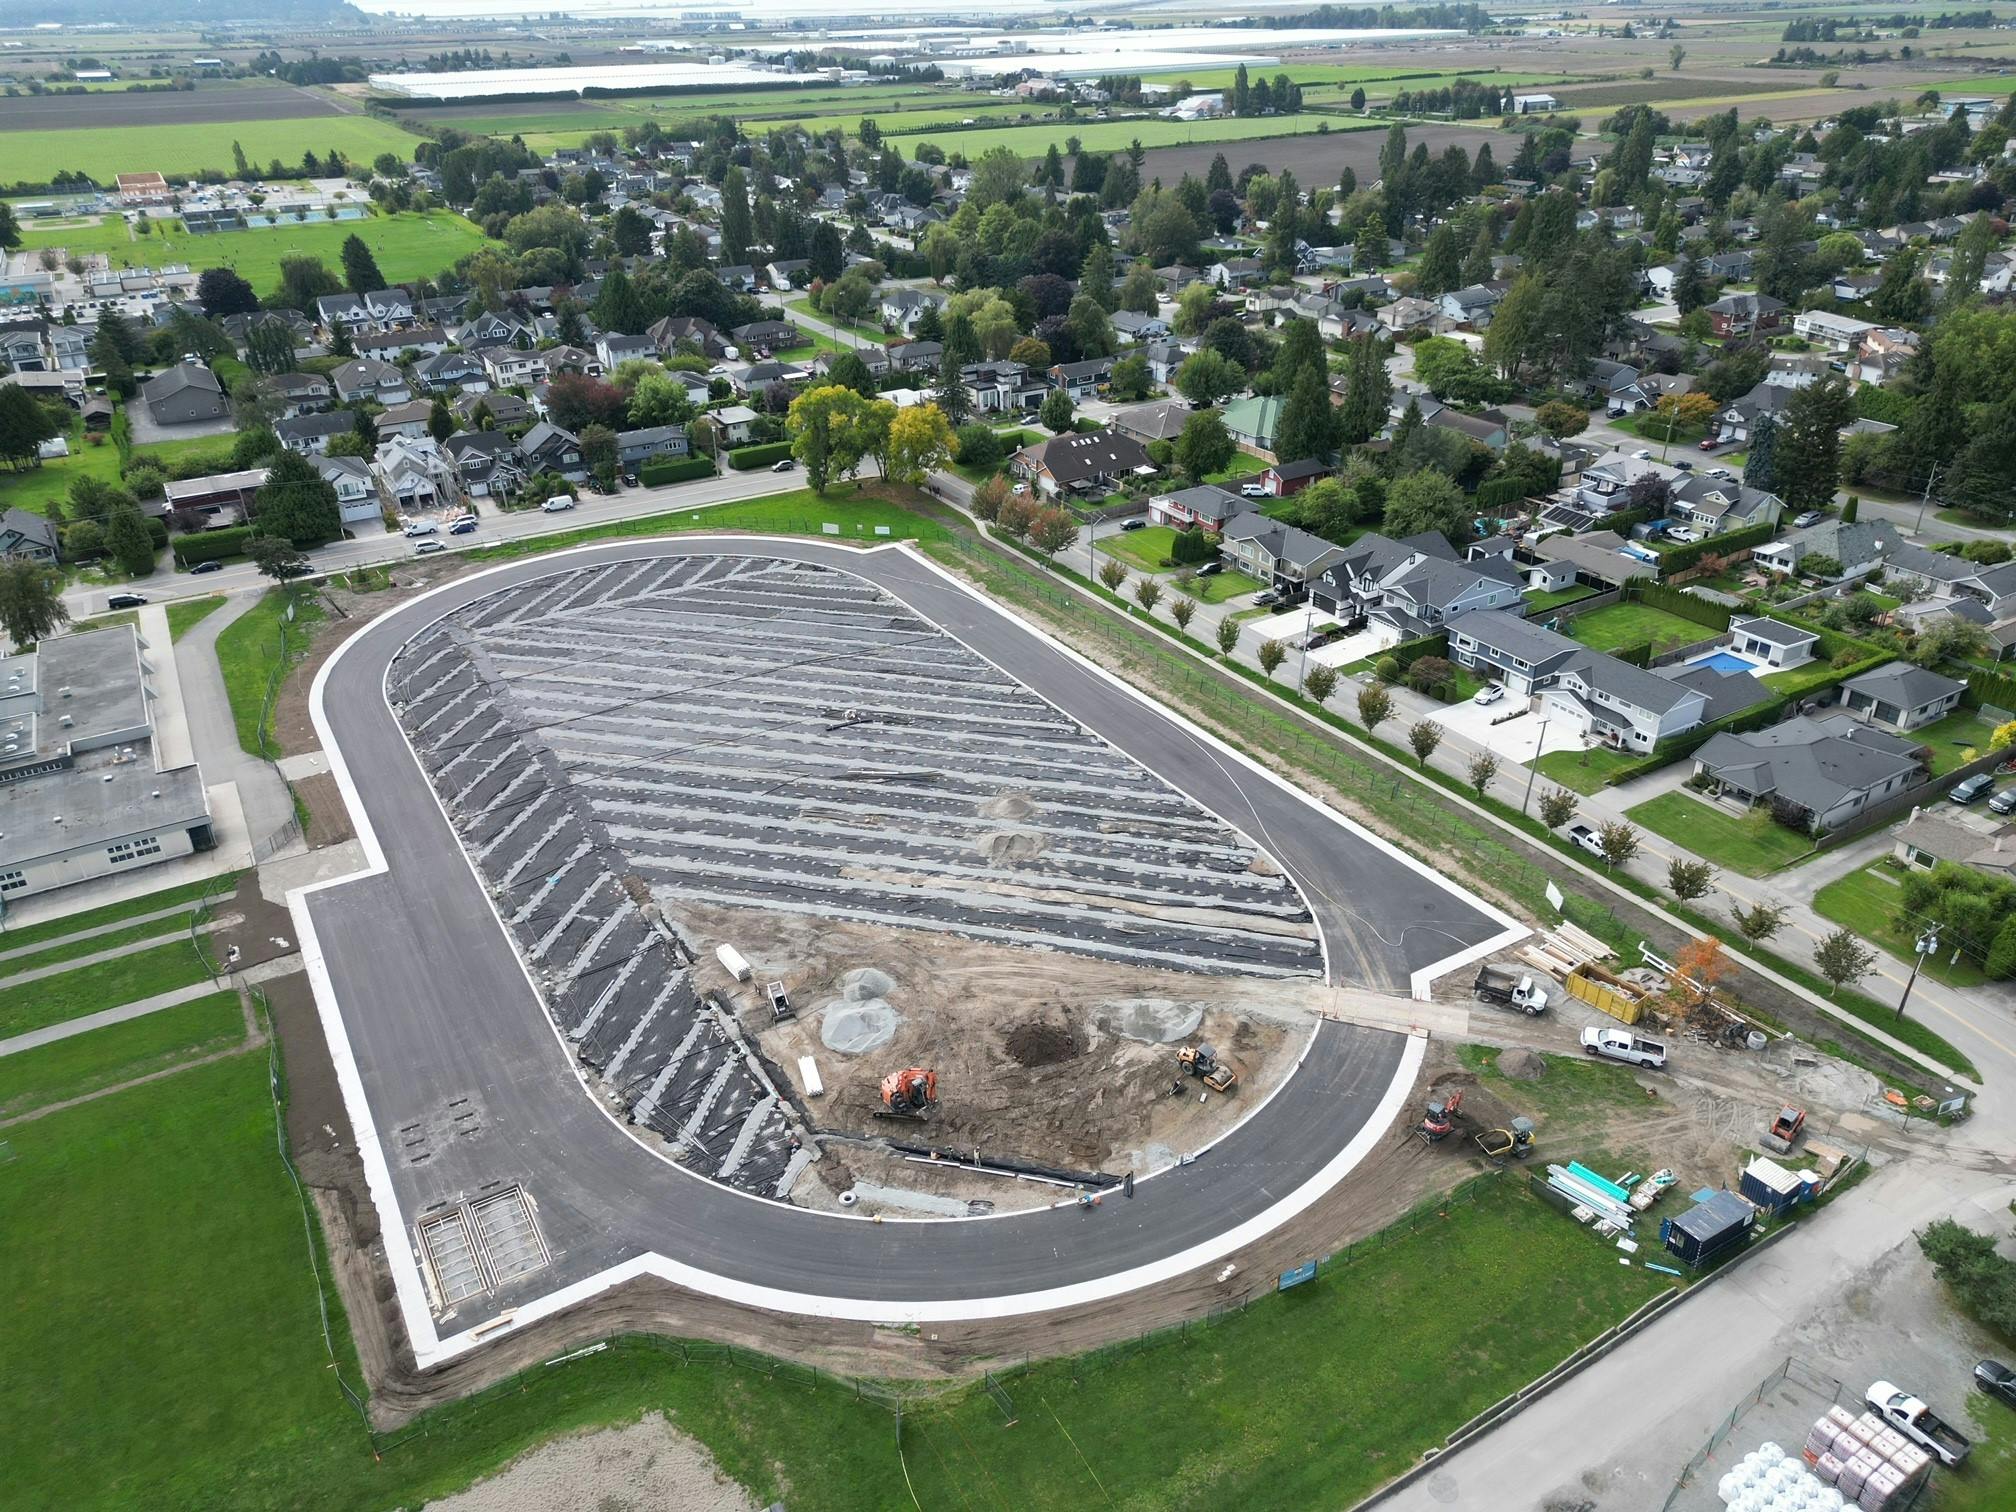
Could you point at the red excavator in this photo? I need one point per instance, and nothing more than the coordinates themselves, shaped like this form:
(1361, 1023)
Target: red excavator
(1441, 1118)
(911, 1093)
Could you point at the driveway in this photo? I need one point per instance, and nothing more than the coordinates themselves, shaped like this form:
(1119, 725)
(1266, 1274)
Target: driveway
(148, 432)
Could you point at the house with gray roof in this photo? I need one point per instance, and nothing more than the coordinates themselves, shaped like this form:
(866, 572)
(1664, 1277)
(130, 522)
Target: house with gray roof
(186, 394)
(1771, 641)
(1901, 697)
(1827, 768)
(25, 536)
(1410, 588)
(1282, 556)
(1206, 505)
(1930, 836)
(1858, 545)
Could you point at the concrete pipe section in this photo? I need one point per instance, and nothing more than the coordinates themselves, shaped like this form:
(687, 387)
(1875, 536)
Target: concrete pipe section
(526, 749)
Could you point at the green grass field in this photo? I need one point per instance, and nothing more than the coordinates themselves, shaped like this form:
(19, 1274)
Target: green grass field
(1952, 737)
(20, 936)
(1147, 549)
(184, 613)
(1871, 903)
(248, 649)
(87, 1063)
(35, 488)
(1749, 843)
(1616, 626)
(1223, 586)
(413, 245)
(1583, 771)
(90, 989)
(70, 949)
(1107, 136)
(34, 157)
(1540, 600)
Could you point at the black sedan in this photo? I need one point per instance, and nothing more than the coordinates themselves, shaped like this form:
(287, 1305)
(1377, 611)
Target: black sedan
(1997, 1379)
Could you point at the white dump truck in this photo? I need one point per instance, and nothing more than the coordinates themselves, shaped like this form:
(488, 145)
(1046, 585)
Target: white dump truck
(1917, 1422)
(1510, 988)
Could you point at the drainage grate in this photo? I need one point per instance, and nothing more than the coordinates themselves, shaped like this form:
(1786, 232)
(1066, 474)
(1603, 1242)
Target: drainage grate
(509, 1235)
(453, 1256)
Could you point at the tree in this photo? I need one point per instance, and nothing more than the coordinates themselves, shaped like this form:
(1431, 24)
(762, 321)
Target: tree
(1147, 593)
(1807, 462)
(1557, 807)
(1272, 653)
(24, 425)
(1969, 262)
(1441, 267)
(1678, 412)
(1688, 880)
(1367, 391)
(10, 230)
(1375, 705)
(920, 442)
(1112, 574)
(1619, 842)
(1228, 635)
(1204, 446)
(31, 601)
(1209, 377)
(1759, 921)
(600, 453)
(1056, 411)
(1678, 55)
(1181, 611)
(1843, 959)
(222, 292)
(297, 504)
(360, 268)
(826, 432)
(849, 371)
(1700, 966)
(1760, 470)
(1560, 419)
(1308, 424)
(999, 177)
(1424, 737)
(1130, 378)
(128, 540)
(1051, 529)
(619, 307)
(1483, 772)
(735, 228)
(276, 557)
(269, 347)
(1423, 501)
(1320, 682)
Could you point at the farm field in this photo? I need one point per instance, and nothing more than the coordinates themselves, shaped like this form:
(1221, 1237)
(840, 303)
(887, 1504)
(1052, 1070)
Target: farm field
(34, 157)
(418, 244)
(243, 100)
(1106, 136)
(1321, 159)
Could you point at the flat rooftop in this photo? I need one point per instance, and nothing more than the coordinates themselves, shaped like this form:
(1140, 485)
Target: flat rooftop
(92, 678)
(101, 799)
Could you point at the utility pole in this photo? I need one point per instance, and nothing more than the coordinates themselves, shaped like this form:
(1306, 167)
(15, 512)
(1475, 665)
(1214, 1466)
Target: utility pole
(1533, 771)
(1928, 941)
(1925, 498)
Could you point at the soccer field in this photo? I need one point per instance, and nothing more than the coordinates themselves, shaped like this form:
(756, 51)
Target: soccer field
(414, 245)
(34, 157)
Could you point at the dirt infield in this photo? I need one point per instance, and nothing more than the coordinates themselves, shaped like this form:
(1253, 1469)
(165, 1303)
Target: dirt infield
(167, 108)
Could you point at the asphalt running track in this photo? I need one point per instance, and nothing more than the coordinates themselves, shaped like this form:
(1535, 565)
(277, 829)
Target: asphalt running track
(459, 1086)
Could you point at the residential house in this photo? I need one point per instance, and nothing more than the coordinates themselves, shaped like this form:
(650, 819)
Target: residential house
(683, 332)
(506, 411)
(1409, 314)
(311, 434)
(390, 346)
(488, 463)
(451, 370)
(1953, 577)
(1003, 387)
(414, 473)
(1612, 702)
(1471, 307)
(734, 421)
(510, 368)
(367, 378)
(1234, 272)
(1859, 546)
(613, 348)
(902, 308)
(1901, 697)
(741, 278)
(752, 379)
(1133, 326)
(650, 443)
(1285, 478)
(1772, 642)
(548, 448)
(1738, 418)
(1206, 505)
(27, 537)
(909, 356)
(1929, 837)
(300, 393)
(1837, 333)
(761, 336)
(1252, 422)
(1284, 557)
(1737, 266)
(1409, 588)
(356, 490)
(379, 310)
(1745, 315)
(1165, 357)
(186, 394)
(1082, 463)
(1082, 380)
(788, 273)
(409, 419)
(1823, 769)
(1162, 420)
(1594, 556)
(494, 329)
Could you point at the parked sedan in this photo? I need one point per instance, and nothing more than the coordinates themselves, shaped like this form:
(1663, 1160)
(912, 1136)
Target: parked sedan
(1997, 1379)
(1804, 518)
(2004, 802)
(1973, 788)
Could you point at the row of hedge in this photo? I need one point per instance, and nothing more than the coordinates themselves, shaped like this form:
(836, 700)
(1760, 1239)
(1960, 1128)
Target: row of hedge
(1677, 602)
(213, 545)
(744, 458)
(1991, 688)
(658, 474)
(1680, 558)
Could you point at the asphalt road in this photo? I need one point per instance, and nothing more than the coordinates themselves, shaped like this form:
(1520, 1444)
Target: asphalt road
(460, 1065)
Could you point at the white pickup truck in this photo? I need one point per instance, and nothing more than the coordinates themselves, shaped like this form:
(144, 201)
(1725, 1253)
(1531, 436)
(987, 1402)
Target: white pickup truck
(1917, 1422)
(1623, 1045)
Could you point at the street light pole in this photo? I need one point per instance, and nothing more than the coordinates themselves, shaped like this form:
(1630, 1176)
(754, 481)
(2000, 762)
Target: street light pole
(1534, 771)
(1928, 941)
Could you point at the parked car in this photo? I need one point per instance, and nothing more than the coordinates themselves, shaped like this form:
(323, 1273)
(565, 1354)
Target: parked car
(784, 464)
(428, 548)
(1614, 1042)
(1710, 444)
(1997, 1379)
(417, 528)
(2004, 802)
(1134, 525)
(125, 600)
(1585, 836)
(463, 526)
(1266, 596)
(1804, 518)
(1253, 490)
(630, 480)
(213, 565)
(1490, 693)
(557, 503)
(1973, 788)
(1211, 569)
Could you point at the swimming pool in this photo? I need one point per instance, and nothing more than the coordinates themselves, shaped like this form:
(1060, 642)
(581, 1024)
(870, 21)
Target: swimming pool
(1725, 661)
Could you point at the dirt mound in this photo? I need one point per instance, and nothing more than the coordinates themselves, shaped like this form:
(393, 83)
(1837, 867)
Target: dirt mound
(1009, 805)
(1040, 1044)
(1521, 1065)
(1153, 1021)
(864, 983)
(1006, 847)
(851, 1027)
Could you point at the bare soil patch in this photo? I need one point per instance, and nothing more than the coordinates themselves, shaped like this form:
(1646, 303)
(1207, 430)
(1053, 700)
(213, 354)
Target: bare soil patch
(647, 1465)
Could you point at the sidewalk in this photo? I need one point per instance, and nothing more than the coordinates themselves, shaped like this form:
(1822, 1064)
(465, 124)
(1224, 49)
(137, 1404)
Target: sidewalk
(70, 1028)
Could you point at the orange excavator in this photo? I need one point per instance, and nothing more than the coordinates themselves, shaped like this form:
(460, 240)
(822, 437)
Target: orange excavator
(1442, 1117)
(911, 1093)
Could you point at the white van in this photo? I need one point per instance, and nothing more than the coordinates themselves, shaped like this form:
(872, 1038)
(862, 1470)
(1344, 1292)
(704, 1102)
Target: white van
(557, 503)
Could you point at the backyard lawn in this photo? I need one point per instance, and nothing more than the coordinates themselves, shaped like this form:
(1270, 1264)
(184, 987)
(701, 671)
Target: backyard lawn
(1221, 587)
(1241, 466)
(1952, 737)
(1618, 626)
(1147, 548)
(1750, 843)
(1540, 600)
(1870, 903)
